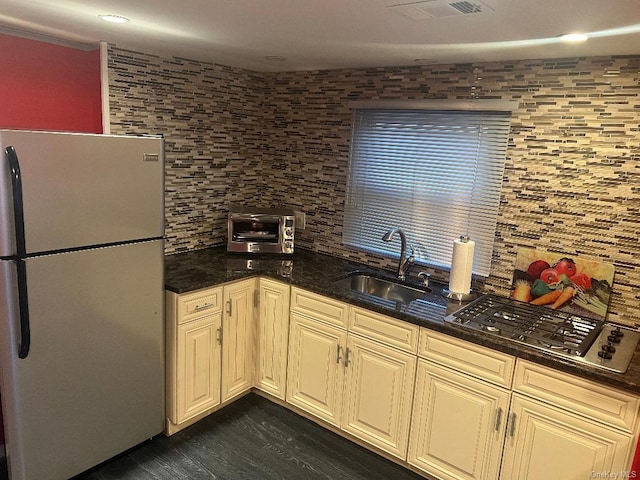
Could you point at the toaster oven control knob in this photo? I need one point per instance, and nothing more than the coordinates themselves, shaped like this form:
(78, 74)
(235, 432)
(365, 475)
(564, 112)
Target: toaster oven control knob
(288, 232)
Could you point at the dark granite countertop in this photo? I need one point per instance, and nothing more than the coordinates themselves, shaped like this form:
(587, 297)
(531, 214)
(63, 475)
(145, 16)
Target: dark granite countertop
(315, 272)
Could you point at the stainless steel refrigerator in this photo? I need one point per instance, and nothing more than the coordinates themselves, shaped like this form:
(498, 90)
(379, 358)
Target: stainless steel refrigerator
(81, 287)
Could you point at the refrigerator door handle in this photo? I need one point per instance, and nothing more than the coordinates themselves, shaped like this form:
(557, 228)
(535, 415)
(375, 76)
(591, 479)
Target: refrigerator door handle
(23, 302)
(21, 251)
(18, 210)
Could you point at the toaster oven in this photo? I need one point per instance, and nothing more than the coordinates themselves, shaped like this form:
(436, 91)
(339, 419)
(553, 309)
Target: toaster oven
(260, 230)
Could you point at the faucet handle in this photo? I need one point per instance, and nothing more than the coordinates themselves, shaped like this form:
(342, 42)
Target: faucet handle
(425, 278)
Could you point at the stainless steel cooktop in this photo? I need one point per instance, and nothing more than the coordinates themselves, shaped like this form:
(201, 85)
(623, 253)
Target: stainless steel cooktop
(578, 338)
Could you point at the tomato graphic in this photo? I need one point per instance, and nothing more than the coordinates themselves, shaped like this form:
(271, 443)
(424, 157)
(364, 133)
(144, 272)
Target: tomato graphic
(550, 275)
(581, 280)
(566, 266)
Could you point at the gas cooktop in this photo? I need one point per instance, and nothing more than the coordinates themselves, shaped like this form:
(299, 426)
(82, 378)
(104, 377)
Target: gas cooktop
(578, 338)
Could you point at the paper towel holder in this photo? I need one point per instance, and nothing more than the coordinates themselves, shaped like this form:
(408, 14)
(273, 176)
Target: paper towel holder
(460, 297)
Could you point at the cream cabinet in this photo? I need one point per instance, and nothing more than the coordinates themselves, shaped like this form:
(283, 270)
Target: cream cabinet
(209, 350)
(479, 414)
(238, 338)
(562, 426)
(377, 394)
(458, 426)
(546, 442)
(348, 380)
(194, 323)
(272, 337)
(315, 377)
(450, 408)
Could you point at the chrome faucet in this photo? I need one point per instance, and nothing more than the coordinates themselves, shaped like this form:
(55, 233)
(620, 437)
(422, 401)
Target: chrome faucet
(404, 263)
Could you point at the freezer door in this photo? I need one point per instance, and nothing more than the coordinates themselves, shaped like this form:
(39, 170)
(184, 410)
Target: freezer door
(92, 385)
(81, 189)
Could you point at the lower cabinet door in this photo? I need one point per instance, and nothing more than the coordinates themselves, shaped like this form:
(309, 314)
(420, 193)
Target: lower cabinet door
(198, 367)
(237, 338)
(544, 442)
(458, 427)
(272, 337)
(315, 373)
(378, 393)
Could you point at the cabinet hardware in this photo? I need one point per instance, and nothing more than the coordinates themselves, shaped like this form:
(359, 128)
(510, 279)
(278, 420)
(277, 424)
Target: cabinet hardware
(230, 305)
(338, 357)
(498, 418)
(512, 430)
(203, 306)
(220, 335)
(346, 357)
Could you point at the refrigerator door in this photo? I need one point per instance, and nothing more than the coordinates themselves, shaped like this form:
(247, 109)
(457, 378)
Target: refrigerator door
(92, 385)
(81, 190)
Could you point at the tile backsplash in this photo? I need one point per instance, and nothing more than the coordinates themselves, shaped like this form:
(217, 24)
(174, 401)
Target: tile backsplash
(572, 177)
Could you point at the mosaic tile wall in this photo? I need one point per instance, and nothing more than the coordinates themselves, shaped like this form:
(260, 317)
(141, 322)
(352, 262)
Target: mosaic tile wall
(573, 165)
(211, 120)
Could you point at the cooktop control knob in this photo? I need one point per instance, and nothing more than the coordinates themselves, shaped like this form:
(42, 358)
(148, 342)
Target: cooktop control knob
(605, 355)
(607, 351)
(615, 335)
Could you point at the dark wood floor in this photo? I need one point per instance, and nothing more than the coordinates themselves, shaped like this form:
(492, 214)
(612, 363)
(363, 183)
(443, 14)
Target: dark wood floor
(252, 438)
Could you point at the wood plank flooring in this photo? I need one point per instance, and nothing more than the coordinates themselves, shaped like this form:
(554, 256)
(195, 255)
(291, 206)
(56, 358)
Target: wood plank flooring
(252, 438)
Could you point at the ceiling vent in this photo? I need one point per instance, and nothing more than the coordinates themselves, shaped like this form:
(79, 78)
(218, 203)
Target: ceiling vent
(426, 10)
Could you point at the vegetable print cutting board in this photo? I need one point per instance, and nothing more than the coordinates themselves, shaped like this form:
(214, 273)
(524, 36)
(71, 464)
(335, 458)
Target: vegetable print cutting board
(563, 282)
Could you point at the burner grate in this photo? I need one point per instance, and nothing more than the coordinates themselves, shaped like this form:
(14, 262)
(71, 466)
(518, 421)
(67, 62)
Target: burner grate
(539, 327)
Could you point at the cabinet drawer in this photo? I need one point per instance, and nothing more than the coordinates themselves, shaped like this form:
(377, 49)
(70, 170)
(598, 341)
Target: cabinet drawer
(387, 330)
(467, 357)
(197, 304)
(319, 307)
(591, 399)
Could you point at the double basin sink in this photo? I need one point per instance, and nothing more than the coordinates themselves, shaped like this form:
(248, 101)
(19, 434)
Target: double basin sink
(381, 287)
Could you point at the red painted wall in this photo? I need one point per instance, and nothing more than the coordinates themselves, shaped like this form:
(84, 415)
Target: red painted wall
(49, 87)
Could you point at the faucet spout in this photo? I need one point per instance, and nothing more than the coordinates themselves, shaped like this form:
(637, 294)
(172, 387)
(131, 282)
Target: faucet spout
(404, 263)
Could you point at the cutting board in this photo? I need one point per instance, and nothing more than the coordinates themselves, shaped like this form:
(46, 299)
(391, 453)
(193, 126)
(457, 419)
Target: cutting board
(591, 281)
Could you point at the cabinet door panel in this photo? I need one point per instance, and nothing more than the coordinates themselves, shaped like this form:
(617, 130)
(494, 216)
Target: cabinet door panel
(378, 393)
(198, 379)
(315, 376)
(237, 338)
(458, 424)
(272, 337)
(550, 443)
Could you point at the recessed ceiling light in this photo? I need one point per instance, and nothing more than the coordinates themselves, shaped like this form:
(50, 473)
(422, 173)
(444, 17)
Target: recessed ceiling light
(573, 37)
(114, 18)
(275, 58)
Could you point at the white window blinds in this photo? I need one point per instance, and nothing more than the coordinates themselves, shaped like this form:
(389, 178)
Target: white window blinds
(435, 174)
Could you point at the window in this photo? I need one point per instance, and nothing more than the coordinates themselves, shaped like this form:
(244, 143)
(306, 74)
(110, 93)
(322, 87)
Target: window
(437, 174)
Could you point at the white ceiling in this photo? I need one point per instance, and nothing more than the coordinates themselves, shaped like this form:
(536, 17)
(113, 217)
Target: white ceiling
(328, 34)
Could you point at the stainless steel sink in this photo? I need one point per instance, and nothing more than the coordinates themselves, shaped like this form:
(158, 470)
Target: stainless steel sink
(381, 288)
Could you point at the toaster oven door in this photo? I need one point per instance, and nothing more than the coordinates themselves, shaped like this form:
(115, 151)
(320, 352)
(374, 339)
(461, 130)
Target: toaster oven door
(256, 234)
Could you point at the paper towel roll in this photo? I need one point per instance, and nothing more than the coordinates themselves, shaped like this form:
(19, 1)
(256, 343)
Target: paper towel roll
(461, 266)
